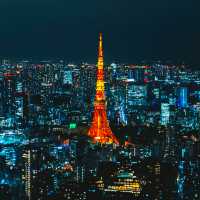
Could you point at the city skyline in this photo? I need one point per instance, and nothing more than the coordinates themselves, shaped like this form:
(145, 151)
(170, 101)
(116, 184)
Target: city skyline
(48, 149)
(99, 100)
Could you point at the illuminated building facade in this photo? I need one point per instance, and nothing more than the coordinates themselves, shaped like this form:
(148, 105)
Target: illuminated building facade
(27, 157)
(165, 113)
(125, 182)
(183, 97)
(9, 83)
(67, 79)
(139, 73)
(136, 95)
(100, 130)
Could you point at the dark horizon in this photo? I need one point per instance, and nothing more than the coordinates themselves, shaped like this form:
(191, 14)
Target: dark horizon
(132, 31)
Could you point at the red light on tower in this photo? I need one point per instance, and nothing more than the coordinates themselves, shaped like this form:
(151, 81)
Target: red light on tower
(100, 130)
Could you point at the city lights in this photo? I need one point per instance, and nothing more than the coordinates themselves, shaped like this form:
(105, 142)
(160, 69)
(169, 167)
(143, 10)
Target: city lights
(82, 131)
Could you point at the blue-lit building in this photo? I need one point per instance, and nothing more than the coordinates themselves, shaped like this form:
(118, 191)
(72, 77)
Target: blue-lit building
(67, 79)
(183, 97)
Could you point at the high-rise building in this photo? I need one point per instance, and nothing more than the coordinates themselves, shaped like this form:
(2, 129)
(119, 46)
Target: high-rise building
(136, 73)
(136, 94)
(165, 113)
(67, 79)
(183, 97)
(27, 173)
(8, 93)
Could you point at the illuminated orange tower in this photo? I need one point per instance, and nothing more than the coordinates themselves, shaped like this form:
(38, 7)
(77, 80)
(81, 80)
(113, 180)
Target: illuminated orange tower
(100, 130)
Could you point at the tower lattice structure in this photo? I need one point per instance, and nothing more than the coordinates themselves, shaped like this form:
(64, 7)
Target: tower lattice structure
(100, 130)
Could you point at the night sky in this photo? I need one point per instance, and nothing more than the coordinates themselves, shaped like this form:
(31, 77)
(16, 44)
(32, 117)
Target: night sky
(133, 30)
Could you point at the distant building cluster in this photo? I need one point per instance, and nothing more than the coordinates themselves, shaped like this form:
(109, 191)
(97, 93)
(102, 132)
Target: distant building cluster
(45, 113)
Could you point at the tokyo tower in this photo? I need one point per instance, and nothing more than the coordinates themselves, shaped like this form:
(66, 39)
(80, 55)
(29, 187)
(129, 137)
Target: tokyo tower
(100, 130)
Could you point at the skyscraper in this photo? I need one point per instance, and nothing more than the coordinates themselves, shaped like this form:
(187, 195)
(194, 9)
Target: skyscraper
(27, 175)
(183, 97)
(165, 113)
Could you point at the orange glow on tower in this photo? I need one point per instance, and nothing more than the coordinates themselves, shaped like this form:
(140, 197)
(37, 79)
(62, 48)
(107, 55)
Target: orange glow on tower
(100, 130)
